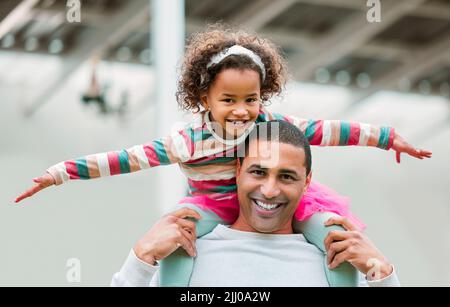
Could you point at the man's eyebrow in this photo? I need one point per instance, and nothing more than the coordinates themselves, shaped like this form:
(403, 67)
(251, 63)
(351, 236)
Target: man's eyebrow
(257, 166)
(289, 171)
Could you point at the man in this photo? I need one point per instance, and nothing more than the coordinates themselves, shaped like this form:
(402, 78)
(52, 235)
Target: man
(260, 247)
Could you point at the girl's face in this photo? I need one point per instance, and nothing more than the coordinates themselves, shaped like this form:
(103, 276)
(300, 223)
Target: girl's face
(234, 100)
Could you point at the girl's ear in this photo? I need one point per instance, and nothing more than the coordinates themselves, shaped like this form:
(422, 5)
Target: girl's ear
(204, 101)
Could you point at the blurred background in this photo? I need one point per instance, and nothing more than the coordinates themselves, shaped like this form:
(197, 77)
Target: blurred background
(81, 77)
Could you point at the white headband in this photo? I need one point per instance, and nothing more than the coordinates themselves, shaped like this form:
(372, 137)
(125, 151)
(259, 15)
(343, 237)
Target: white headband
(236, 50)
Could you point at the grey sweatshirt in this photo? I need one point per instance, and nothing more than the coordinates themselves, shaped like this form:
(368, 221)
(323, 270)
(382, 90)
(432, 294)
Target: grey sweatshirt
(232, 258)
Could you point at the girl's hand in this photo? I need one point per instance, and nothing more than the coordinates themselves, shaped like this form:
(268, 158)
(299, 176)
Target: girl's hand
(400, 145)
(41, 183)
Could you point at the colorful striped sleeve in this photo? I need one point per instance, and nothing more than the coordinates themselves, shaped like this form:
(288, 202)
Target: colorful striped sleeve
(175, 148)
(342, 133)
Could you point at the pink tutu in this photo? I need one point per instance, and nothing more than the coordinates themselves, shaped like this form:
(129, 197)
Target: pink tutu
(318, 198)
(226, 206)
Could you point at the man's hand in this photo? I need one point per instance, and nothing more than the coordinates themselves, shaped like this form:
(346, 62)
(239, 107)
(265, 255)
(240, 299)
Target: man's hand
(41, 183)
(167, 235)
(353, 246)
(400, 145)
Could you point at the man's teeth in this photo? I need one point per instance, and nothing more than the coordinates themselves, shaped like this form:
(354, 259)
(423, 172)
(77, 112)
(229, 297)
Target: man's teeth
(266, 206)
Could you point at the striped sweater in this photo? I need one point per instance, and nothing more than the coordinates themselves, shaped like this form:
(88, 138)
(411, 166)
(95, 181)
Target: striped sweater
(207, 160)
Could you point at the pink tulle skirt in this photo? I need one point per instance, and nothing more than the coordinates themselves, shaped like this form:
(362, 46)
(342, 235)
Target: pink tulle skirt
(318, 198)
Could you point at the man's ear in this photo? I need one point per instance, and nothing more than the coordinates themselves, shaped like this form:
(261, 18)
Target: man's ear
(238, 167)
(308, 181)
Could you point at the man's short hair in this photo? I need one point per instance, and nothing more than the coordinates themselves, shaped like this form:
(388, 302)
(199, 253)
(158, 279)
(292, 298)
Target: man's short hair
(282, 132)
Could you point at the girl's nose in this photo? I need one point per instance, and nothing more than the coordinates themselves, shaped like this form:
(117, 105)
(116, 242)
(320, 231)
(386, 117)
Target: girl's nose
(240, 112)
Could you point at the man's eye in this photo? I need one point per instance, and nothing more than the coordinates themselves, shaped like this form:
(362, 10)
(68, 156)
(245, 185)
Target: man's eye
(257, 173)
(287, 177)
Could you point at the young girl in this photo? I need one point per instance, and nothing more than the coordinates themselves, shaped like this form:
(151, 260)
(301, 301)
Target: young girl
(227, 77)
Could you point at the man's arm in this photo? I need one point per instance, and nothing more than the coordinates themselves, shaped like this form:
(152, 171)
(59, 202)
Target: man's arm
(136, 273)
(388, 281)
(165, 237)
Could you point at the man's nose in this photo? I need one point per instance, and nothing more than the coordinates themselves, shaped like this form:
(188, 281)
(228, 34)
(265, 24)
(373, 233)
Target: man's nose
(270, 189)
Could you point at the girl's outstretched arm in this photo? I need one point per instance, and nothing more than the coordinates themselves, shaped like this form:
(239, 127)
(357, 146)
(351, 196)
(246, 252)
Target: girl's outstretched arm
(346, 133)
(172, 149)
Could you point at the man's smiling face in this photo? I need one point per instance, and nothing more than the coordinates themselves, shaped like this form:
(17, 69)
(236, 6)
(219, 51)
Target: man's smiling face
(269, 192)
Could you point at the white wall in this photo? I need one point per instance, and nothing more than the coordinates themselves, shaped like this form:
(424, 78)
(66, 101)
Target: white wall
(406, 206)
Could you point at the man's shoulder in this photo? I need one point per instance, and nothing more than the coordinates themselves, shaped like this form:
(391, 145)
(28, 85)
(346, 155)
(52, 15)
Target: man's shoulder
(212, 235)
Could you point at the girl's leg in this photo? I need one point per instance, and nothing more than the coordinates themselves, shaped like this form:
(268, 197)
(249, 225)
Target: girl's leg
(176, 269)
(314, 230)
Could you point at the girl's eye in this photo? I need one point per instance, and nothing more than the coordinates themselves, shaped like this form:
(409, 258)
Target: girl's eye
(251, 100)
(228, 100)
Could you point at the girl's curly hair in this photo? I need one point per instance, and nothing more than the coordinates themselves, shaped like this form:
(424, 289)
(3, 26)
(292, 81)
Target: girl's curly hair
(196, 78)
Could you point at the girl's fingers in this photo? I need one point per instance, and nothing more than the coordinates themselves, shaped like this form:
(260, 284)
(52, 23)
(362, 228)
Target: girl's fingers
(416, 153)
(19, 198)
(41, 183)
(23, 196)
(397, 156)
(29, 192)
(424, 153)
(412, 151)
(419, 155)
